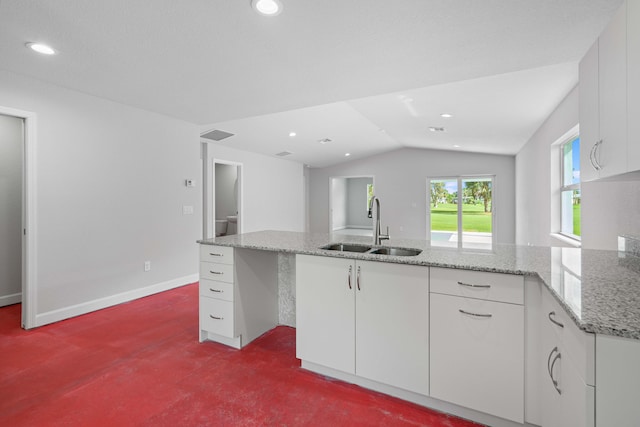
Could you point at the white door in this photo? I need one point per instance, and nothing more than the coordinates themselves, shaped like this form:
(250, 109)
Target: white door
(325, 311)
(392, 324)
(11, 172)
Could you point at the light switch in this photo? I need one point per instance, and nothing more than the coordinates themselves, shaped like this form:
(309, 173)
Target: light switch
(190, 182)
(187, 210)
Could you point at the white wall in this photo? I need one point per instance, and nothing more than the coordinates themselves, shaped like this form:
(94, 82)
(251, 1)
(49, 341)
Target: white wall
(533, 176)
(401, 185)
(110, 192)
(11, 143)
(272, 189)
(608, 208)
(226, 190)
(339, 200)
(357, 203)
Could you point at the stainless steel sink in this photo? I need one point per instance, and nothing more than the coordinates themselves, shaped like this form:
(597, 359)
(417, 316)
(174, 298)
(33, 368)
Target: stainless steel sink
(396, 251)
(346, 248)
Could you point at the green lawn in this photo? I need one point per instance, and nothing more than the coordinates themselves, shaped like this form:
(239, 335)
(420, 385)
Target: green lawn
(576, 220)
(445, 218)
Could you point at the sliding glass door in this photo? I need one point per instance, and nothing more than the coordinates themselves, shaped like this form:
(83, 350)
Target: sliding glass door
(461, 212)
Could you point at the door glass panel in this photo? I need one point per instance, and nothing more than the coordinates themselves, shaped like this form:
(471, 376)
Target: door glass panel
(444, 212)
(477, 212)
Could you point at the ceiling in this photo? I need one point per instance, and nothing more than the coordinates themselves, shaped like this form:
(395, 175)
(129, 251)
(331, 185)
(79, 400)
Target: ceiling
(334, 69)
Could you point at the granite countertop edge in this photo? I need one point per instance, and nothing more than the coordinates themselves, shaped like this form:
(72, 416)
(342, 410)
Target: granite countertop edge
(309, 244)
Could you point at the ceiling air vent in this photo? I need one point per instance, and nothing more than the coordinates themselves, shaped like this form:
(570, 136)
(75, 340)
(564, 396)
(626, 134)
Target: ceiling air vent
(284, 153)
(216, 135)
(324, 141)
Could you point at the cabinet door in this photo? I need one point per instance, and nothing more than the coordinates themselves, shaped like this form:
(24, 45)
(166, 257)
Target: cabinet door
(612, 154)
(550, 398)
(633, 84)
(392, 324)
(477, 361)
(325, 311)
(589, 113)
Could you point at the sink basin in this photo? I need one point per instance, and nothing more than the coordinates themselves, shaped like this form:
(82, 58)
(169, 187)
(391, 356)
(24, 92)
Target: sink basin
(396, 251)
(346, 248)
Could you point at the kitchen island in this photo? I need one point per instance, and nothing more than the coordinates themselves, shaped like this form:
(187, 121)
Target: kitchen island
(591, 297)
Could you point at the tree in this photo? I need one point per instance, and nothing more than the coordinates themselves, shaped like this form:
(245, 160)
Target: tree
(438, 192)
(480, 190)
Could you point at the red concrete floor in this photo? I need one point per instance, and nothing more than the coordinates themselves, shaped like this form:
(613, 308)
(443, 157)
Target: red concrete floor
(140, 364)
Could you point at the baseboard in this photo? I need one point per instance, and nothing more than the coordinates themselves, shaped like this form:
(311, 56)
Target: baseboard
(98, 304)
(10, 299)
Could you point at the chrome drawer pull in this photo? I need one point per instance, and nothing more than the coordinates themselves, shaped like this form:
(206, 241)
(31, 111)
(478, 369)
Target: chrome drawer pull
(349, 277)
(358, 278)
(212, 254)
(216, 272)
(216, 318)
(470, 285)
(474, 314)
(553, 380)
(216, 290)
(553, 313)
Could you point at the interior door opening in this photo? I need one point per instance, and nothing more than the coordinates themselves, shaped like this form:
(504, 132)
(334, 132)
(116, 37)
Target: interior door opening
(349, 198)
(227, 198)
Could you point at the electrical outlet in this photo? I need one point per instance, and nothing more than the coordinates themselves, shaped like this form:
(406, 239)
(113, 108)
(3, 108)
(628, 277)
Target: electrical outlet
(147, 265)
(187, 210)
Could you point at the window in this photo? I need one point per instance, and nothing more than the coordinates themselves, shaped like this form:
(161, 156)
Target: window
(570, 188)
(461, 212)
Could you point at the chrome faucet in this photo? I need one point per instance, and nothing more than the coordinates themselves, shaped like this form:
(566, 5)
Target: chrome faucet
(377, 236)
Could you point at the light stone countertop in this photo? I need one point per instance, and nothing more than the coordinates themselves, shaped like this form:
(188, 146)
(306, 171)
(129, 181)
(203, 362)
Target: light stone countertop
(599, 289)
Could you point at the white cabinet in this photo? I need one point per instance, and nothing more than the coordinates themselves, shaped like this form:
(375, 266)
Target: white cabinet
(477, 341)
(603, 102)
(633, 83)
(238, 294)
(567, 364)
(364, 318)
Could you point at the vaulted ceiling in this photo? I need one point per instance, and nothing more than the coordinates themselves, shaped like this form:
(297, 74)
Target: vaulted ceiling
(217, 63)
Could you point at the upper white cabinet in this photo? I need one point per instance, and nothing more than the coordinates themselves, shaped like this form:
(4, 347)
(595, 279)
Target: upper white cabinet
(610, 98)
(368, 319)
(633, 83)
(603, 103)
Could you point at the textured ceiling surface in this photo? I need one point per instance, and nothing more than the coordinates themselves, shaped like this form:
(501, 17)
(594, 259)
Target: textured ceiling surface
(217, 61)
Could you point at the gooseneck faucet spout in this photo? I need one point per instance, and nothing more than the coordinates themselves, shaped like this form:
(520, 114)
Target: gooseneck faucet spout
(378, 237)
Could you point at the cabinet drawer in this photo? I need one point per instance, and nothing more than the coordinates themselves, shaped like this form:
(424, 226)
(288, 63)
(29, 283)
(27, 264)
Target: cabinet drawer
(219, 254)
(477, 284)
(217, 272)
(215, 289)
(577, 345)
(216, 316)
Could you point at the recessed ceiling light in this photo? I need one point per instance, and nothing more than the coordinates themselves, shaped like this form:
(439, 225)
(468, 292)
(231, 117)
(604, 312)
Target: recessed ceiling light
(347, 154)
(436, 129)
(292, 134)
(446, 115)
(456, 146)
(267, 7)
(41, 48)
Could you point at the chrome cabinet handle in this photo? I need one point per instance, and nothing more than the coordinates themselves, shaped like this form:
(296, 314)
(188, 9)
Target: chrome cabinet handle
(216, 272)
(216, 290)
(593, 153)
(475, 314)
(471, 285)
(212, 254)
(549, 361)
(358, 278)
(553, 313)
(553, 380)
(349, 277)
(216, 318)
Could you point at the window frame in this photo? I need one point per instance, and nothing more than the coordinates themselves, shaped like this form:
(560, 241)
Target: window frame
(460, 232)
(567, 187)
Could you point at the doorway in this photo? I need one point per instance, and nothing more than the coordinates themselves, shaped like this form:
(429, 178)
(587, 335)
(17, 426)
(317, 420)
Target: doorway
(227, 197)
(18, 211)
(349, 199)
